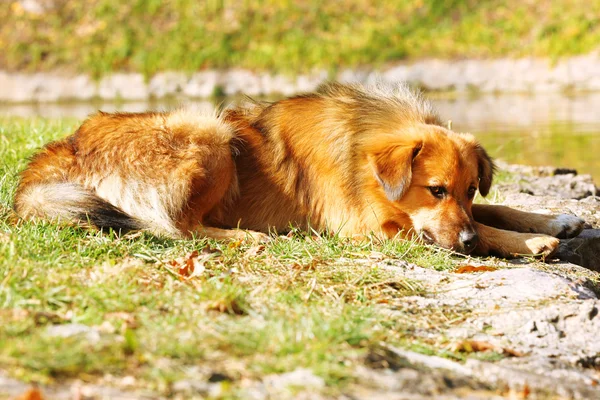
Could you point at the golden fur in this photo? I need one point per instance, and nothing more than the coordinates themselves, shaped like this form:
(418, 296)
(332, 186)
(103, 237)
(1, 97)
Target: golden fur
(347, 159)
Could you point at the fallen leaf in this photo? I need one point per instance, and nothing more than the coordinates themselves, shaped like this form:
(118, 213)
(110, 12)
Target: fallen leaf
(227, 307)
(512, 353)
(235, 244)
(127, 318)
(45, 317)
(31, 394)
(467, 269)
(192, 264)
(311, 266)
(526, 392)
(473, 346)
(478, 346)
(187, 268)
(255, 250)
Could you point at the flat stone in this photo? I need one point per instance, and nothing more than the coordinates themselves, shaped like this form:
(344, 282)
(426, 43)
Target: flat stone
(474, 378)
(503, 287)
(552, 336)
(515, 285)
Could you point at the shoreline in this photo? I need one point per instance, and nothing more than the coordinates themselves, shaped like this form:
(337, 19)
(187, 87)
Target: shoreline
(573, 75)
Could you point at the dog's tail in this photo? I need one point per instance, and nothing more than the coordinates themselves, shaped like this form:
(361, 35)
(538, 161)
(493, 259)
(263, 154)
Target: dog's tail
(72, 203)
(46, 192)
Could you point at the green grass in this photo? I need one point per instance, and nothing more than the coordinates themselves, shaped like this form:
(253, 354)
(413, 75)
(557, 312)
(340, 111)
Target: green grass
(302, 300)
(100, 36)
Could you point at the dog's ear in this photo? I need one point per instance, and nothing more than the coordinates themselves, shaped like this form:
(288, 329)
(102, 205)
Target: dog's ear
(393, 168)
(486, 170)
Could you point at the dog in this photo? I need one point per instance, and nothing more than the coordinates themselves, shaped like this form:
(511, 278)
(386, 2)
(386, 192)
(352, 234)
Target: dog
(345, 159)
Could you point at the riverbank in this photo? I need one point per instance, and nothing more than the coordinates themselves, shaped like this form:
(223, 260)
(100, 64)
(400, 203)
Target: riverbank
(579, 74)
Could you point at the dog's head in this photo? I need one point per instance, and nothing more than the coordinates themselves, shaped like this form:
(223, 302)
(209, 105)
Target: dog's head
(432, 174)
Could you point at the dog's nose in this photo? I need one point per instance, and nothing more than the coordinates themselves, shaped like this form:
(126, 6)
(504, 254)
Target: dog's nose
(468, 239)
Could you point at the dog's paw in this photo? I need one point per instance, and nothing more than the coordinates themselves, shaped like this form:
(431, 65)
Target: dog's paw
(544, 246)
(565, 226)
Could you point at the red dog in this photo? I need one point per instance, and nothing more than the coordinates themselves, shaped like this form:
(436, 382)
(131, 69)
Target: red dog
(346, 158)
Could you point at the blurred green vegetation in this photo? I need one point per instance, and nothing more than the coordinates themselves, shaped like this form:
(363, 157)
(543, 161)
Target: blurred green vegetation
(99, 36)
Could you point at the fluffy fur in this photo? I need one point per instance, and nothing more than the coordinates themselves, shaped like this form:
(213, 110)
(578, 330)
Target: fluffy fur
(346, 158)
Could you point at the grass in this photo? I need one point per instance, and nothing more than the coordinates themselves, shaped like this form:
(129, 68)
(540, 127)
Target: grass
(102, 36)
(166, 310)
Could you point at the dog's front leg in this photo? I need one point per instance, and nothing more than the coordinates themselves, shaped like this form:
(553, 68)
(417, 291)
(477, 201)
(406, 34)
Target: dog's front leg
(508, 244)
(502, 217)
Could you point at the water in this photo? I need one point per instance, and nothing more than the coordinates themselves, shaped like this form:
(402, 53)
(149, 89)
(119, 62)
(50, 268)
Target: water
(543, 129)
(552, 130)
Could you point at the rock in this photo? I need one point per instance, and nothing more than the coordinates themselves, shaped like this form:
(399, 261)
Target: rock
(583, 250)
(565, 186)
(503, 287)
(587, 208)
(529, 383)
(441, 378)
(581, 73)
(202, 84)
(165, 84)
(69, 330)
(562, 183)
(551, 321)
(414, 382)
(298, 384)
(190, 386)
(278, 84)
(511, 286)
(308, 83)
(550, 190)
(38, 7)
(241, 81)
(563, 330)
(121, 86)
(13, 389)
(300, 378)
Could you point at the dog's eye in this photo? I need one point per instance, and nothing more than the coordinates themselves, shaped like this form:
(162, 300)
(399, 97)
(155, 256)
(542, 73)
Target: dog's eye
(438, 191)
(471, 191)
